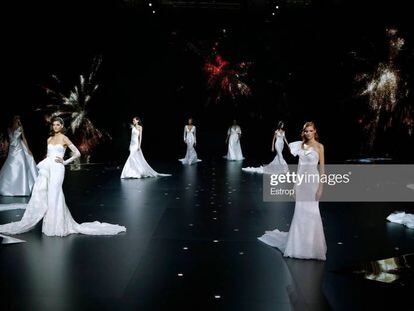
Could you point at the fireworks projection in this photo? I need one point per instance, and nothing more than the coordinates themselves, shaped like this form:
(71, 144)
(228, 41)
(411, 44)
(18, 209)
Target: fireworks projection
(387, 93)
(74, 109)
(223, 79)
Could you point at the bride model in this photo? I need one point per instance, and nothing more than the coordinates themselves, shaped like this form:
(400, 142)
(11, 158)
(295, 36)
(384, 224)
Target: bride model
(18, 174)
(190, 140)
(136, 166)
(305, 239)
(48, 201)
(278, 165)
(233, 139)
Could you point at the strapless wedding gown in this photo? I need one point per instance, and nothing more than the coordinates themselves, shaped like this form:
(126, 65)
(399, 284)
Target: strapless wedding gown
(136, 166)
(305, 239)
(278, 165)
(48, 203)
(234, 151)
(18, 174)
(190, 140)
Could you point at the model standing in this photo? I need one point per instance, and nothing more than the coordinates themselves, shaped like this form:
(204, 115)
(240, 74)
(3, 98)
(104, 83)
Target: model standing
(190, 140)
(234, 151)
(278, 165)
(48, 201)
(18, 174)
(136, 166)
(305, 239)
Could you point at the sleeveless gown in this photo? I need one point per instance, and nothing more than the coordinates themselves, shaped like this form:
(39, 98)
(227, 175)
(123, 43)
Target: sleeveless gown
(48, 203)
(136, 166)
(18, 174)
(305, 239)
(190, 140)
(278, 165)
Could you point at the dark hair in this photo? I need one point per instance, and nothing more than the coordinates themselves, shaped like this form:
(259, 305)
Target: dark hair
(57, 119)
(138, 119)
(280, 125)
(16, 116)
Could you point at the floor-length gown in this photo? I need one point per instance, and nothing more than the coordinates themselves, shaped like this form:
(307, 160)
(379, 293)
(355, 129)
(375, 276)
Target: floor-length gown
(136, 166)
(234, 151)
(305, 239)
(18, 174)
(190, 140)
(278, 165)
(48, 202)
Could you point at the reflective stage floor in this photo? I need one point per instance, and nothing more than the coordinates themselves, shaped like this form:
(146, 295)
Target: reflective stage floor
(191, 244)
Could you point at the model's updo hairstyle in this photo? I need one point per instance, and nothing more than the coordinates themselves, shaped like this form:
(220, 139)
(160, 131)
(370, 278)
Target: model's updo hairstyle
(57, 119)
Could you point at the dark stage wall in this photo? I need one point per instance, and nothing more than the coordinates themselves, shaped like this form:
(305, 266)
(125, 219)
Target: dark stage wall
(301, 70)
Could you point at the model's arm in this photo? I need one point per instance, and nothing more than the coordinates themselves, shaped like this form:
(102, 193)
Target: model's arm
(321, 152)
(185, 133)
(75, 152)
(195, 137)
(284, 138)
(25, 142)
(140, 138)
(273, 142)
(228, 135)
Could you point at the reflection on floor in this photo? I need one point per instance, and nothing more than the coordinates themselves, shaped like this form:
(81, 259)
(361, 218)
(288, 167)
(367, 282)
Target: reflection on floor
(191, 244)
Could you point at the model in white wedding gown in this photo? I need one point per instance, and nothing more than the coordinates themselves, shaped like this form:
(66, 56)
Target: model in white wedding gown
(190, 140)
(278, 165)
(18, 174)
(305, 239)
(136, 166)
(48, 202)
(234, 152)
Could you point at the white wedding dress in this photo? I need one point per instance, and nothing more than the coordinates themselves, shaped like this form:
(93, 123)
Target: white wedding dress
(402, 218)
(48, 202)
(18, 174)
(278, 165)
(305, 239)
(190, 140)
(234, 152)
(136, 166)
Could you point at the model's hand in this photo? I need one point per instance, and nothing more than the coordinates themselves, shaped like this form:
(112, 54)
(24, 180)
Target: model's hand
(59, 160)
(273, 149)
(30, 152)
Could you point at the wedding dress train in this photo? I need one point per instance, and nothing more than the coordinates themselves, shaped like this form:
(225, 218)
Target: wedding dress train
(48, 203)
(305, 239)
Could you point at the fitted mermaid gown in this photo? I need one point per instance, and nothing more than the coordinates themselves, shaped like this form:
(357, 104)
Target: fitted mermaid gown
(136, 166)
(18, 174)
(234, 152)
(278, 165)
(190, 140)
(48, 203)
(305, 239)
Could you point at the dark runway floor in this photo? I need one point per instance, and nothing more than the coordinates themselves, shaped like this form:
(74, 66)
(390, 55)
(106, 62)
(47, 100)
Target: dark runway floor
(191, 245)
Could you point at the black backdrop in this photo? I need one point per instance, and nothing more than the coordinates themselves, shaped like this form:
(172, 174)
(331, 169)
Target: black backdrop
(302, 70)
